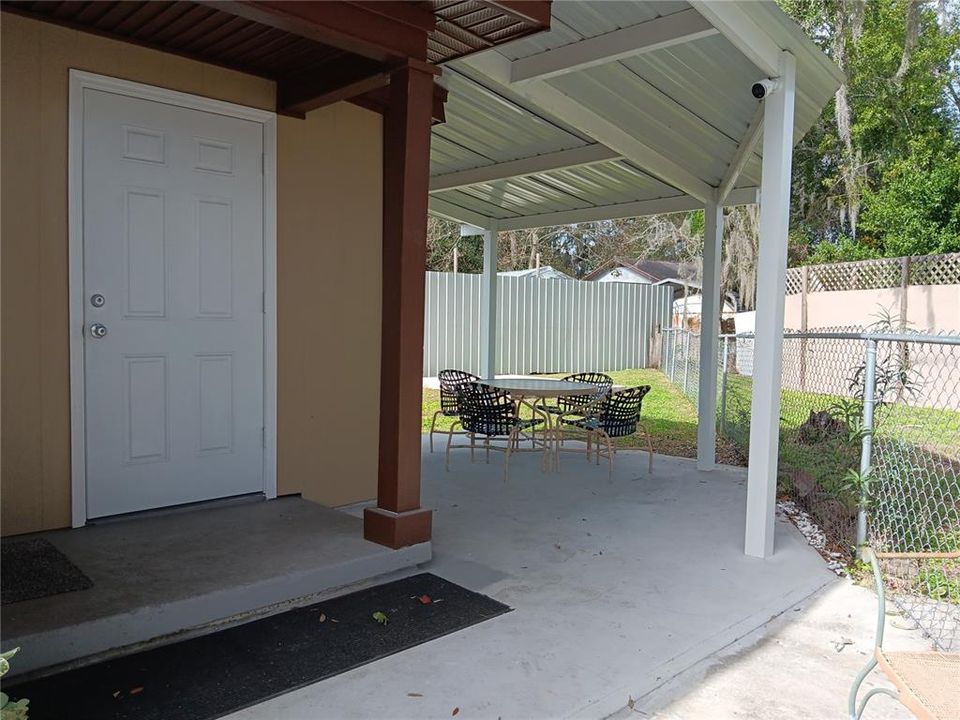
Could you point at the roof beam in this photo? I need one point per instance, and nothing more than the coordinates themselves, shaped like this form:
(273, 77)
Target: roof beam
(659, 206)
(530, 12)
(385, 31)
(451, 211)
(735, 22)
(348, 79)
(650, 160)
(681, 203)
(742, 156)
(377, 98)
(575, 157)
(662, 32)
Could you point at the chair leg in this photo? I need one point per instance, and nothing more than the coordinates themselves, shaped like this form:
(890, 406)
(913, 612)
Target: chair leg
(473, 445)
(512, 438)
(433, 427)
(589, 440)
(448, 457)
(487, 444)
(646, 434)
(609, 458)
(453, 425)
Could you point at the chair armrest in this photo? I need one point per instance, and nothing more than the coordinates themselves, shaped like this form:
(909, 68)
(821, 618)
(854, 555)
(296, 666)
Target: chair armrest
(881, 594)
(592, 409)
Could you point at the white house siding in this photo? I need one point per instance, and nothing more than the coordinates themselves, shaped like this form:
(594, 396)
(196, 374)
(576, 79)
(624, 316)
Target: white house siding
(622, 274)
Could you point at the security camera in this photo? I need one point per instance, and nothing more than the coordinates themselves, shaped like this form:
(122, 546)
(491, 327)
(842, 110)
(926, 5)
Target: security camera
(764, 87)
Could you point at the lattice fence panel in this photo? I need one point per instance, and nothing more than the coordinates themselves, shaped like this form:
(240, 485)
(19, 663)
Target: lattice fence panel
(876, 274)
(935, 270)
(794, 281)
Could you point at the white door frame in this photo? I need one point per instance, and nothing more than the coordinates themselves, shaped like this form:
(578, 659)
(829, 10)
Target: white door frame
(80, 81)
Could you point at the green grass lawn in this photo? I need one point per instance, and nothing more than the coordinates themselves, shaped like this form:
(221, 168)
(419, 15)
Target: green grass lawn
(828, 459)
(669, 416)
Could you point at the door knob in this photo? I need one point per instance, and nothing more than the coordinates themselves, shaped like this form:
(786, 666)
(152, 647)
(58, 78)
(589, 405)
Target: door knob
(98, 330)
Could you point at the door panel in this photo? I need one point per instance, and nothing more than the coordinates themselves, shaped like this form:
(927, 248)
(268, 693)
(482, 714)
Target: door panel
(173, 240)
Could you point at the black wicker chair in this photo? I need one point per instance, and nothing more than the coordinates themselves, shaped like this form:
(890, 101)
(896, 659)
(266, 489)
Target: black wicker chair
(615, 416)
(570, 403)
(489, 413)
(450, 381)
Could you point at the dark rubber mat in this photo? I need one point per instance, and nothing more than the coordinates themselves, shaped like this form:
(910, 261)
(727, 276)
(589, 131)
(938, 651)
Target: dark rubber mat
(212, 675)
(34, 568)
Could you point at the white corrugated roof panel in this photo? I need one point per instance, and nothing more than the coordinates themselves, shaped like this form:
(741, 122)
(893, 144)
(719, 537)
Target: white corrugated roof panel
(676, 114)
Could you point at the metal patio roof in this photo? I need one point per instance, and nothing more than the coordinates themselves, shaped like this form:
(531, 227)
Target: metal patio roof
(621, 109)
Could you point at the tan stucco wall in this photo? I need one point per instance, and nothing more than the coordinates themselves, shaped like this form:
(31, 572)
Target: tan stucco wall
(329, 197)
(929, 308)
(329, 177)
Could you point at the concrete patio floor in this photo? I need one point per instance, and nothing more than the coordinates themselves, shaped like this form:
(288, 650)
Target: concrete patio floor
(618, 587)
(799, 665)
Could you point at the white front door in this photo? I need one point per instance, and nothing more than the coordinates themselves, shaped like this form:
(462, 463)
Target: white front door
(173, 273)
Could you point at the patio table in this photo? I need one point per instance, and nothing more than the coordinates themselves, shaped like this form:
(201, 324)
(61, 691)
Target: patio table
(534, 392)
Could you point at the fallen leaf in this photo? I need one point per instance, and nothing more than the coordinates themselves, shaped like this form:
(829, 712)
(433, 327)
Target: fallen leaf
(332, 620)
(323, 618)
(414, 694)
(116, 693)
(425, 599)
(381, 617)
(456, 711)
(631, 702)
(136, 691)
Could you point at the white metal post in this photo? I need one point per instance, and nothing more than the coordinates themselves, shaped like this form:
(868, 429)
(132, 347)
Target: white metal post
(709, 337)
(488, 305)
(866, 448)
(768, 346)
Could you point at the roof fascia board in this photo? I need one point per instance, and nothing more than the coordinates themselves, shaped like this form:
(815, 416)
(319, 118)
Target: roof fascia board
(661, 32)
(736, 24)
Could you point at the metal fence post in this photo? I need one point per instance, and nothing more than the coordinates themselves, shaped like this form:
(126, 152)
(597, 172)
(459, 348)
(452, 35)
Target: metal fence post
(723, 389)
(686, 359)
(866, 448)
(673, 356)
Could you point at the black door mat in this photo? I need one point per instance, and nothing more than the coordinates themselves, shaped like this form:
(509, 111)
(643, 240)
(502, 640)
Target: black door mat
(34, 568)
(212, 675)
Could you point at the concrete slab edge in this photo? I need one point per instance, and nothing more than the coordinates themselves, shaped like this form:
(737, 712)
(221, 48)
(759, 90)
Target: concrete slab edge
(748, 630)
(88, 642)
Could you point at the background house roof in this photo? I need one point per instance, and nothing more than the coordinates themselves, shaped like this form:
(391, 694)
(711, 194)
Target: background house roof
(620, 109)
(542, 273)
(654, 270)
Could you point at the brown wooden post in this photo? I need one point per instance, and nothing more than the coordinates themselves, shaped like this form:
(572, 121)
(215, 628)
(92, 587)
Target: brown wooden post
(398, 520)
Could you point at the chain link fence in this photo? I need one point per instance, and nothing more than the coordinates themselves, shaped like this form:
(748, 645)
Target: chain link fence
(869, 448)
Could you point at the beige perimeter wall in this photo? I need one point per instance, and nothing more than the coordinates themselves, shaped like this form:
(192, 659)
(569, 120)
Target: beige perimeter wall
(329, 227)
(930, 308)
